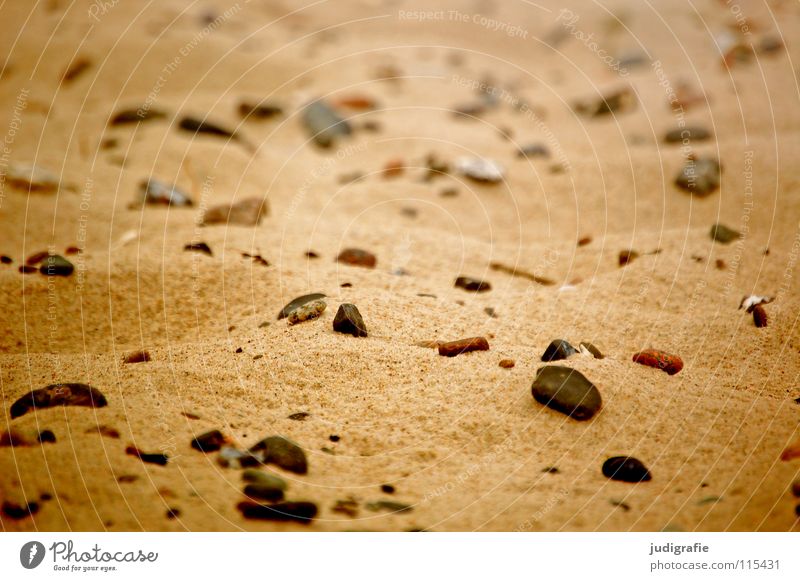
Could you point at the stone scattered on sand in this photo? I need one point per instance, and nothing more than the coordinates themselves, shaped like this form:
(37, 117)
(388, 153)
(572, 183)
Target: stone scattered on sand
(687, 134)
(246, 212)
(209, 441)
(700, 176)
(259, 111)
(357, 102)
(558, 349)
(263, 478)
(148, 457)
(133, 116)
(534, 150)
(507, 363)
(307, 312)
(357, 257)
(6, 259)
(138, 356)
(46, 437)
(75, 69)
(17, 511)
(393, 168)
(481, 170)
(196, 126)
(453, 348)
(724, 235)
(619, 101)
(297, 303)
(323, 124)
(567, 391)
(388, 506)
(796, 488)
(37, 258)
(591, 349)
(627, 256)
(298, 511)
(282, 452)
(625, 469)
(300, 416)
(59, 394)
(387, 488)
(472, 284)
(56, 265)
(760, 318)
(667, 362)
(349, 321)
(198, 247)
(155, 192)
(32, 178)
(513, 271)
(791, 451)
(259, 491)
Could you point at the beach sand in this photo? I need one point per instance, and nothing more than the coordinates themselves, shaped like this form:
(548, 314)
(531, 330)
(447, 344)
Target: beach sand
(460, 439)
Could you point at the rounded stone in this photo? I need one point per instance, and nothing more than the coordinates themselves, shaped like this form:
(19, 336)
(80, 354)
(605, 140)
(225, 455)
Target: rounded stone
(567, 391)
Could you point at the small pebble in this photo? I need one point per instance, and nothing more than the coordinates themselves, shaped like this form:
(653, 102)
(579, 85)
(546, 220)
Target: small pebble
(357, 257)
(262, 478)
(534, 150)
(389, 489)
(199, 247)
(348, 507)
(46, 436)
(567, 391)
(283, 453)
(453, 348)
(625, 469)
(724, 235)
(298, 302)
(300, 416)
(481, 170)
(139, 356)
(209, 441)
(149, 458)
(56, 265)
(472, 284)
(760, 316)
(6, 259)
(17, 511)
(302, 512)
(307, 312)
(619, 101)
(627, 256)
(389, 506)
(348, 320)
(31, 178)
(671, 364)
(796, 488)
(693, 133)
(507, 363)
(259, 491)
(259, 111)
(323, 124)
(558, 349)
(700, 177)
(59, 394)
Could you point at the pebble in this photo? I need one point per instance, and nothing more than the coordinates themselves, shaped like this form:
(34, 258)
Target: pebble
(282, 452)
(6, 259)
(472, 284)
(139, 356)
(259, 111)
(534, 150)
(307, 312)
(195, 125)
(263, 478)
(25, 269)
(619, 101)
(591, 349)
(393, 168)
(148, 457)
(323, 124)
(348, 320)
(671, 364)
(173, 513)
(76, 69)
(260, 491)
(567, 391)
(32, 178)
(724, 235)
(358, 102)
(199, 247)
(46, 436)
(507, 363)
(389, 506)
(558, 349)
(387, 488)
(209, 441)
(453, 348)
(158, 193)
(357, 257)
(302, 511)
(131, 116)
(700, 177)
(18, 511)
(693, 133)
(300, 416)
(246, 212)
(796, 488)
(627, 256)
(760, 316)
(59, 394)
(481, 170)
(625, 469)
(56, 265)
(297, 303)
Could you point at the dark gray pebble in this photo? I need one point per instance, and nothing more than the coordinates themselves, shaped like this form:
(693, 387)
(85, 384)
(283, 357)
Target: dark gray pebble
(282, 452)
(472, 284)
(567, 391)
(558, 349)
(625, 469)
(302, 512)
(56, 265)
(348, 320)
(209, 441)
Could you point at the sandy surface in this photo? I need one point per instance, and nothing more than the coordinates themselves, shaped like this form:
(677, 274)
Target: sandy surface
(460, 439)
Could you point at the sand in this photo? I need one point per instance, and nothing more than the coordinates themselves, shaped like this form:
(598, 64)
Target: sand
(461, 439)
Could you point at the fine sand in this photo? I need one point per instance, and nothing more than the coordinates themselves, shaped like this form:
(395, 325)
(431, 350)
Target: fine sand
(460, 439)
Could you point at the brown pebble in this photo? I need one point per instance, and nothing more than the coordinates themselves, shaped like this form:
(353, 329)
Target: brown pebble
(393, 168)
(760, 316)
(507, 363)
(141, 356)
(357, 257)
(671, 364)
(627, 256)
(453, 348)
(584, 241)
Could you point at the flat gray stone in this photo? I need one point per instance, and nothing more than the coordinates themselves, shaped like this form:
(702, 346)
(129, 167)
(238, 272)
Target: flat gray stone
(567, 391)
